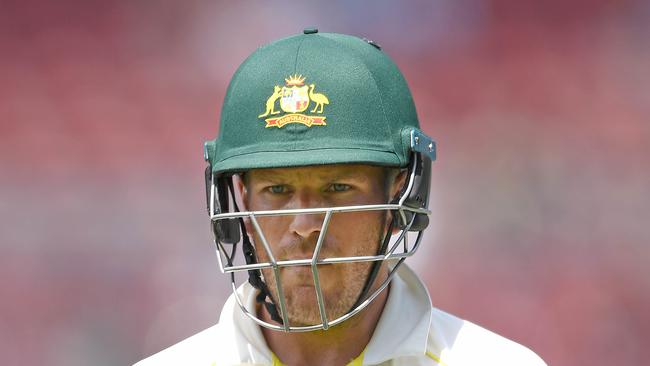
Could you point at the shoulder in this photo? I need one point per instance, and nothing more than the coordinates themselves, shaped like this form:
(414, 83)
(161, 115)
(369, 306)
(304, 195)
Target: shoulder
(235, 340)
(199, 349)
(454, 342)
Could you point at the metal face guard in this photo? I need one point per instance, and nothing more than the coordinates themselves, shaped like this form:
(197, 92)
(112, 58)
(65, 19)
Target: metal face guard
(226, 266)
(226, 250)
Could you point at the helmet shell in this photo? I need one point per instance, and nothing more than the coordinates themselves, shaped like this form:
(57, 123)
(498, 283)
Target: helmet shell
(312, 99)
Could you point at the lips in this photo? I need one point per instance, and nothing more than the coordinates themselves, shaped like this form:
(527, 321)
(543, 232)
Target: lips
(298, 274)
(298, 270)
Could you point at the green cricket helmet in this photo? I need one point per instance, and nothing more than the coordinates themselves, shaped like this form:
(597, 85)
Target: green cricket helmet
(316, 99)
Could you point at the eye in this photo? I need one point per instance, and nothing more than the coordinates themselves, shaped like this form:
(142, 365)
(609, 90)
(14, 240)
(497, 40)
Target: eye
(338, 187)
(277, 189)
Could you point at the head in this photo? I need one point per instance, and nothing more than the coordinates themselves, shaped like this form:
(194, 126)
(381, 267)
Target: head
(323, 179)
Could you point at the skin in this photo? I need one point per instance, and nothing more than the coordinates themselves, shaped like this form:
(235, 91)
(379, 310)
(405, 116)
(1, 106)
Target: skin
(294, 237)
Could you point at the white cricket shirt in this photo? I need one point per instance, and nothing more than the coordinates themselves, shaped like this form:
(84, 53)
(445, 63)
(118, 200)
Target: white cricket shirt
(410, 332)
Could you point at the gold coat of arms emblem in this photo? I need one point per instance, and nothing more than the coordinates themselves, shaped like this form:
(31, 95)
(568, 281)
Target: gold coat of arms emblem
(295, 97)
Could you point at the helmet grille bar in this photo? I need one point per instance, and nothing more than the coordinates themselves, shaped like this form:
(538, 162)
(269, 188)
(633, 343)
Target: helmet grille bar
(314, 270)
(276, 272)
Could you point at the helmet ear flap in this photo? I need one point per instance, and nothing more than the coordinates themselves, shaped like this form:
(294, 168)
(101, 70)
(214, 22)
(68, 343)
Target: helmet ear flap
(418, 196)
(225, 230)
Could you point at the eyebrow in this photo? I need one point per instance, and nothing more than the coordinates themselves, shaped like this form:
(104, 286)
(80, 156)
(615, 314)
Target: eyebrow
(349, 173)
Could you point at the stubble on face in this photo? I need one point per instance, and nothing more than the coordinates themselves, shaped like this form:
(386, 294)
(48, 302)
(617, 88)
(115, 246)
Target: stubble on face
(341, 283)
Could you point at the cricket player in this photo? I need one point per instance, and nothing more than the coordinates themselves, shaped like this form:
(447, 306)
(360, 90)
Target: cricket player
(317, 191)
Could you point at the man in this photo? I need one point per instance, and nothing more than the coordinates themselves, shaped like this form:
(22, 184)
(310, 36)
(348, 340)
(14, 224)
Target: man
(317, 189)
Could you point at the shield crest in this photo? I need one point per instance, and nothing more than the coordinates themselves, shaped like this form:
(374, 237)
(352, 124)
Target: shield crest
(294, 99)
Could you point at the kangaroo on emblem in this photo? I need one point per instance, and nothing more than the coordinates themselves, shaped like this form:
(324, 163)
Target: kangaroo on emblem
(270, 103)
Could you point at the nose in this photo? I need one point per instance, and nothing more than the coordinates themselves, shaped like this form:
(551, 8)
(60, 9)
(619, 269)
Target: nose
(306, 225)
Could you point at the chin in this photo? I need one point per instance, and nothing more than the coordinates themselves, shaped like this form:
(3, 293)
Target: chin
(300, 320)
(309, 314)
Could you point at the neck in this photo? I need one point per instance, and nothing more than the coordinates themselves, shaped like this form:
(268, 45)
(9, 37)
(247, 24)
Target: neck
(336, 346)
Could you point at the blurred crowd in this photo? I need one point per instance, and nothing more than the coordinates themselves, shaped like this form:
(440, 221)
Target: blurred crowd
(540, 196)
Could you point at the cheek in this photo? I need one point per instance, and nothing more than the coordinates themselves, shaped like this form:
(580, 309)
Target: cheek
(357, 233)
(273, 229)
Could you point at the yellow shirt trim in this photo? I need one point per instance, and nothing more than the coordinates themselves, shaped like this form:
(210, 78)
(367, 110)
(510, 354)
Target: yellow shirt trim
(436, 358)
(356, 362)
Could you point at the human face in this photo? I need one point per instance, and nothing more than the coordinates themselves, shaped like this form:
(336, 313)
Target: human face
(293, 237)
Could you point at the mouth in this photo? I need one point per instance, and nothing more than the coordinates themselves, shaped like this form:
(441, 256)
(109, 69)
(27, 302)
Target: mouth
(302, 276)
(299, 274)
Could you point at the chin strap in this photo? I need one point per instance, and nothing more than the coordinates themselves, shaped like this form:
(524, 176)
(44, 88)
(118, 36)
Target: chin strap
(375, 267)
(255, 278)
(255, 275)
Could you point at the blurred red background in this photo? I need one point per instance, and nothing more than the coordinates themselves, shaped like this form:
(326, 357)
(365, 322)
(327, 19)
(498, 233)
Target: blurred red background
(540, 194)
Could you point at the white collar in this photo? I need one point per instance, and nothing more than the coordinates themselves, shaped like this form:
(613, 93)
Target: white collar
(404, 324)
(402, 329)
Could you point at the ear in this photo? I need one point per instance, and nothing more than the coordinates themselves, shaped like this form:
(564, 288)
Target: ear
(241, 192)
(241, 195)
(397, 183)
